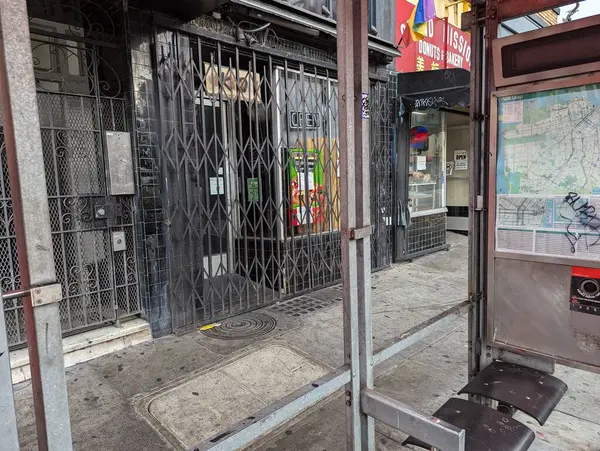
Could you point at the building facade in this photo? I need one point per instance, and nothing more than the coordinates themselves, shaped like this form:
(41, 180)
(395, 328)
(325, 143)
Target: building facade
(191, 156)
(432, 171)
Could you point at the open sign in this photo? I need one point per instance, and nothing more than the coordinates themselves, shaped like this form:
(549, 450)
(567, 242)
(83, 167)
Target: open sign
(309, 121)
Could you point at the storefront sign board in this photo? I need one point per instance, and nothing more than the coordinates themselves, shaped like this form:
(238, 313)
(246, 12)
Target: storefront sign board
(444, 47)
(232, 83)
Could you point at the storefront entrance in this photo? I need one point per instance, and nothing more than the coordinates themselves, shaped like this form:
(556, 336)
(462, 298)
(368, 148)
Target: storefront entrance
(249, 157)
(432, 159)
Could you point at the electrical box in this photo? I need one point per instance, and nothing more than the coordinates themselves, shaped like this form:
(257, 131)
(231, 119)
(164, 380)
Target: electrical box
(119, 243)
(120, 163)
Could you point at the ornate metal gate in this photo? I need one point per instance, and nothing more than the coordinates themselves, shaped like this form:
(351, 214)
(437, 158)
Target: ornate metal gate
(249, 160)
(80, 98)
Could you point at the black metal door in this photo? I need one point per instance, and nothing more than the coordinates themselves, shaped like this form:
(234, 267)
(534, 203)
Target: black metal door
(80, 98)
(382, 174)
(250, 177)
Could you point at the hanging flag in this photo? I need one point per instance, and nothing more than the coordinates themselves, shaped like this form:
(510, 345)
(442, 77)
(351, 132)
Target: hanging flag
(424, 12)
(413, 33)
(416, 28)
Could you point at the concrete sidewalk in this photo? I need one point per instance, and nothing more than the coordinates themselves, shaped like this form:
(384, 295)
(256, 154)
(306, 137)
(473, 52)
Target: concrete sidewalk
(175, 392)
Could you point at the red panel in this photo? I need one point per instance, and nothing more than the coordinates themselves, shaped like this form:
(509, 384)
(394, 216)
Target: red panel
(445, 45)
(590, 273)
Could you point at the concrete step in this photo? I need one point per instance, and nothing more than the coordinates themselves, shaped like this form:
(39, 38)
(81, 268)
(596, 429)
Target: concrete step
(87, 345)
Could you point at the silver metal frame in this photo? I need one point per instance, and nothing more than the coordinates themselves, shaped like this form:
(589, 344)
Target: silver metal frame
(435, 432)
(32, 226)
(247, 431)
(364, 405)
(492, 253)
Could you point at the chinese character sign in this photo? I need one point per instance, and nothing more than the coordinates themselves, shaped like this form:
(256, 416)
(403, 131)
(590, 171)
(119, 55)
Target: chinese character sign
(444, 46)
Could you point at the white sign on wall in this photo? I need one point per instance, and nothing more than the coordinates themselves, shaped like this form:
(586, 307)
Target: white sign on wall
(461, 160)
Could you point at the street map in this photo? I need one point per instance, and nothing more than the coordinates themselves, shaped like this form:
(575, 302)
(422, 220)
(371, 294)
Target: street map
(548, 173)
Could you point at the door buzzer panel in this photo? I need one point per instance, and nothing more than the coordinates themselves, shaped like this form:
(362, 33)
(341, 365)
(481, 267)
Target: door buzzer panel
(585, 290)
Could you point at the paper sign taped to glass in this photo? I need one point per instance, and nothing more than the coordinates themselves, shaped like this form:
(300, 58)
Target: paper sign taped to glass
(548, 173)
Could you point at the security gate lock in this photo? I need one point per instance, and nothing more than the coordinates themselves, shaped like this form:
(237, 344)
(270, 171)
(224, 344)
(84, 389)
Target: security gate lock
(108, 209)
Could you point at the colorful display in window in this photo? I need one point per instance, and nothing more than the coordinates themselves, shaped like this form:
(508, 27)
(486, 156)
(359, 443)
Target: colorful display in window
(306, 185)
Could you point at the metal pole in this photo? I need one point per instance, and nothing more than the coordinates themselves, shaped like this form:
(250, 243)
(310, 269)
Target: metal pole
(352, 28)
(32, 227)
(475, 211)
(437, 433)
(487, 86)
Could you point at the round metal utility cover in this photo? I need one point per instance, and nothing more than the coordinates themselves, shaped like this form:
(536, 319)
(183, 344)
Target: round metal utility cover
(242, 327)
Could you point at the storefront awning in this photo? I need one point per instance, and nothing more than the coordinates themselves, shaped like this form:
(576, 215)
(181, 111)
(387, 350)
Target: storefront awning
(436, 89)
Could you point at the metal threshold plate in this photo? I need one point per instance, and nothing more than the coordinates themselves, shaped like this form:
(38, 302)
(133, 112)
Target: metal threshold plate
(486, 429)
(533, 392)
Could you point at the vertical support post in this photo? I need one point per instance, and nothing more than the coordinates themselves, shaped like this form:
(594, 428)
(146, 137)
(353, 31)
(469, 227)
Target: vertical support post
(32, 225)
(487, 86)
(475, 215)
(8, 419)
(352, 50)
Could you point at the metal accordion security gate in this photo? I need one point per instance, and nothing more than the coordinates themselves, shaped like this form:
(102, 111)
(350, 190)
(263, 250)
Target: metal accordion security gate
(81, 107)
(249, 164)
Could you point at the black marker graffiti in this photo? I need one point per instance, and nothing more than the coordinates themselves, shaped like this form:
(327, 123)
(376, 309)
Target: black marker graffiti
(583, 214)
(431, 102)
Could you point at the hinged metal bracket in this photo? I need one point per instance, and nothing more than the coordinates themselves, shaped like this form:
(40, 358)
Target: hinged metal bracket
(45, 295)
(479, 203)
(358, 234)
(475, 297)
(478, 346)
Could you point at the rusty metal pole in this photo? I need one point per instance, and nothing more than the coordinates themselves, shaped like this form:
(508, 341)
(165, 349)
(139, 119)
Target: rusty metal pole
(32, 227)
(352, 51)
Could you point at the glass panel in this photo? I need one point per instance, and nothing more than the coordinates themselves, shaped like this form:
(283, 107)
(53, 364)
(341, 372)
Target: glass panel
(426, 161)
(547, 177)
(310, 152)
(324, 7)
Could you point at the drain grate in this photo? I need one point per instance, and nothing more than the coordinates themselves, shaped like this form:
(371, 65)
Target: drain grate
(303, 305)
(249, 325)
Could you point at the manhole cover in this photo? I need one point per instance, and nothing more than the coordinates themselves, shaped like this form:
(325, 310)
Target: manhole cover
(241, 327)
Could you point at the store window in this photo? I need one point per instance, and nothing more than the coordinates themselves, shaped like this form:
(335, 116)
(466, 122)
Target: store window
(307, 136)
(427, 162)
(326, 8)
